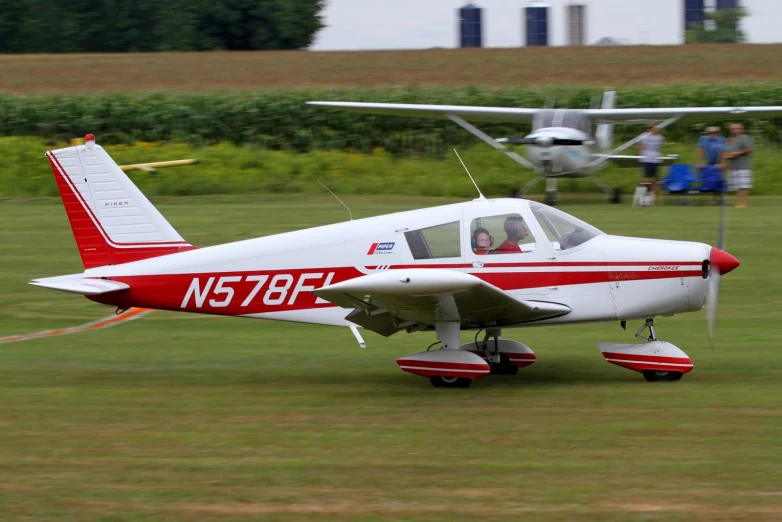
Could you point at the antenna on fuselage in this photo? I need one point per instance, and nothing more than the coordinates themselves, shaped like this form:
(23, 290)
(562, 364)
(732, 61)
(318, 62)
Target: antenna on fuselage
(343, 203)
(480, 196)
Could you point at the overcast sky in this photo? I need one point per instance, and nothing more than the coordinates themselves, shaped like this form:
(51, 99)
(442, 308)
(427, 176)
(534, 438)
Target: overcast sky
(420, 24)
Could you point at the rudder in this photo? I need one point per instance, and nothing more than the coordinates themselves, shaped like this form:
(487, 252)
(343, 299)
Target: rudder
(112, 221)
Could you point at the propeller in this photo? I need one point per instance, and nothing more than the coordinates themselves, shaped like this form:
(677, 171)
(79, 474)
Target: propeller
(542, 141)
(720, 262)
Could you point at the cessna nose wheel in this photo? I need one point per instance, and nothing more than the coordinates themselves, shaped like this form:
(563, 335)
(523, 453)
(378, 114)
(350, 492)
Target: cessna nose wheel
(450, 382)
(661, 376)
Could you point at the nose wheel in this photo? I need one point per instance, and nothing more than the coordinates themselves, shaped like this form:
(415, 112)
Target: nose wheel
(661, 376)
(657, 361)
(450, 382)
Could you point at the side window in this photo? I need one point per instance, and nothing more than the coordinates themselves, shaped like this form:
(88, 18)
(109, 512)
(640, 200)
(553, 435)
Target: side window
(435, 242)
(504, 234)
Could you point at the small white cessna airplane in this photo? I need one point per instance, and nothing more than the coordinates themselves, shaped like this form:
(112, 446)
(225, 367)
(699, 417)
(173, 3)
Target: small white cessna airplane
(562, 142)
(483, 265)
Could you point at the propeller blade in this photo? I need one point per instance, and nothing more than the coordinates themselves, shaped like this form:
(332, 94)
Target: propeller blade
(711, 301)
(518, 141)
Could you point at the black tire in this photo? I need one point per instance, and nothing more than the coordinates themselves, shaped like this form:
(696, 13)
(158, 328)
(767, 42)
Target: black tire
(551, 199)
(504, 367)
(658, 376)
(616, 196)
(450, 382)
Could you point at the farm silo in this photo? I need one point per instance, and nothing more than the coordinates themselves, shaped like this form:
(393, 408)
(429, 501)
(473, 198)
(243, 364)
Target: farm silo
(470, 26)
(576, 24)
(535, 19)
(693, 13)
(727, 4)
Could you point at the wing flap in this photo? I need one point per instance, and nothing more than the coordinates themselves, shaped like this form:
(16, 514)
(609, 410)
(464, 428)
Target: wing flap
(78, 284)
(414, 299)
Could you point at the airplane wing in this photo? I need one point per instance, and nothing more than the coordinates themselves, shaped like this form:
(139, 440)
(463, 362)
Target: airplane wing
(525, 115)
(700, 114)
(466, 112)
(389, 301)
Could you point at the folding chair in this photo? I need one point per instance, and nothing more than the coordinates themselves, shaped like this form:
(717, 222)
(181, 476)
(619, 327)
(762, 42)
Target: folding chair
(680, 180)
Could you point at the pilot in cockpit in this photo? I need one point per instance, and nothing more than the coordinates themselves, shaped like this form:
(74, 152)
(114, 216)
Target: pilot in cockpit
(516, 230)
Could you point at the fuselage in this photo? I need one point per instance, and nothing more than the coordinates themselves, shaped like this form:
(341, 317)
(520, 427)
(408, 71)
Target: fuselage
(561, 160)
(600, 277)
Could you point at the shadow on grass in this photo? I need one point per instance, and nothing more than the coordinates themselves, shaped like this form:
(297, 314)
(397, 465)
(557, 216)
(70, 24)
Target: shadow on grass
(374, 380)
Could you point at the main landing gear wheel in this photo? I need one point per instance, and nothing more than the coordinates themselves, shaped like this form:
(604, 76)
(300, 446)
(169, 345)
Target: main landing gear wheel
(658, 376)
(450, 382)
(616, 196)
(504, 367)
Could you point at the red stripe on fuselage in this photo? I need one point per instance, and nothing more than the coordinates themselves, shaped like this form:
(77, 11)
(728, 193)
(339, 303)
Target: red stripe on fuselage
(169, 291)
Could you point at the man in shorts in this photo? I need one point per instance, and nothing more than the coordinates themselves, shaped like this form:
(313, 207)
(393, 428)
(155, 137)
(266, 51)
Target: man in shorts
(738, 150)
(651, 151)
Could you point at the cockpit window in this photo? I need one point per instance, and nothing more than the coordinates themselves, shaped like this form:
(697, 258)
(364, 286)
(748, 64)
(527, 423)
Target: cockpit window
(503, 234)
(435, 242)
(563, 230)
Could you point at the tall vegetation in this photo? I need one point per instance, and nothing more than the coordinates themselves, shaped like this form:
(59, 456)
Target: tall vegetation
(281, 120)
(84, 26)
(721, 26)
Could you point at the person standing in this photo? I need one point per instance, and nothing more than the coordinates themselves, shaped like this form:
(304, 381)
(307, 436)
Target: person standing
(738, 150)
(650, 149)
(710, 148)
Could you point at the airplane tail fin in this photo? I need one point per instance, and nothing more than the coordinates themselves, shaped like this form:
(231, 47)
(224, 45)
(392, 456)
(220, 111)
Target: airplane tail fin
(112, 221)
(605, 131)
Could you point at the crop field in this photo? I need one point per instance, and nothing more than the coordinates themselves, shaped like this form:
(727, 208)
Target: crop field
(526, 67)
(186, 417)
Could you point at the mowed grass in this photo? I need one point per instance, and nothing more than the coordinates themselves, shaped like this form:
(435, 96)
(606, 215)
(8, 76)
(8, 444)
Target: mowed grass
(618, 67)
(186, 417)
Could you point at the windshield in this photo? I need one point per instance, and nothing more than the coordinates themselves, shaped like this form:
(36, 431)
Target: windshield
(563, 230)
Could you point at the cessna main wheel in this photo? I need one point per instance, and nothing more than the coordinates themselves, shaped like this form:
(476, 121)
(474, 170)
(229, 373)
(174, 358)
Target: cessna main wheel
(450, 382)
(658, 376)
(504, 367)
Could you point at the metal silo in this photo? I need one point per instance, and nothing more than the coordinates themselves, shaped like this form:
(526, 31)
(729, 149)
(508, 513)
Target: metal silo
(576, 24)
(727, 4)
(693, 13)
(536, 24)
(470, 27)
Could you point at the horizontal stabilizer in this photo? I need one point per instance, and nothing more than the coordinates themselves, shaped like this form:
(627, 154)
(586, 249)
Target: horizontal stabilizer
(77, 284)
(623, 161)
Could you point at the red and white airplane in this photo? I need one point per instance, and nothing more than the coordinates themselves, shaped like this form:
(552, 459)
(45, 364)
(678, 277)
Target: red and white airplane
(483, 265)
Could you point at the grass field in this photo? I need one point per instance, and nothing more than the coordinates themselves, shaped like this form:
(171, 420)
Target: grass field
(183, 417)
(618, 67)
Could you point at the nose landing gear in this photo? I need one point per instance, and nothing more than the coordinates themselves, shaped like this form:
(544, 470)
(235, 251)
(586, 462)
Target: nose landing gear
(657, 361)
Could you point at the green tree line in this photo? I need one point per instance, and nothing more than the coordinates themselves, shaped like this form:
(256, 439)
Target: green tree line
(85, 26)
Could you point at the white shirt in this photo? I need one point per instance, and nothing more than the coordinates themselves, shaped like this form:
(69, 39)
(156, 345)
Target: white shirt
(651, 149)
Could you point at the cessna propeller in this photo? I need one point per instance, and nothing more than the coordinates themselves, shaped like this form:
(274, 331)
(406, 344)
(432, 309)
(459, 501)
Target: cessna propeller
(720, 262)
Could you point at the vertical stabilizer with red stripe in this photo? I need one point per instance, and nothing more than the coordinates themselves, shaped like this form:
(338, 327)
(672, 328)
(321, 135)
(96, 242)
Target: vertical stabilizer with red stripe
(112, 221)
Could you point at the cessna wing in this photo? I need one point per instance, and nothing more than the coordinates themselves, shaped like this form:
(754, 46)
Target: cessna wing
(413, 299)
(681, 113)
(511, 114)
(435, 111)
